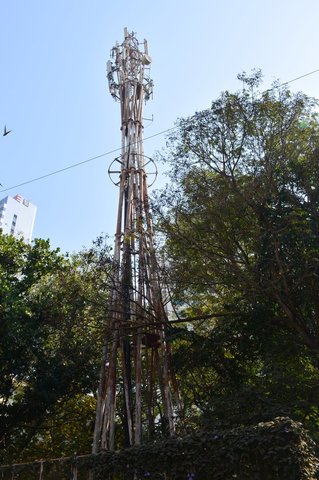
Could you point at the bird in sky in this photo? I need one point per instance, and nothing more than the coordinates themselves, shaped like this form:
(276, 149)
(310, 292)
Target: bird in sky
(5, 131)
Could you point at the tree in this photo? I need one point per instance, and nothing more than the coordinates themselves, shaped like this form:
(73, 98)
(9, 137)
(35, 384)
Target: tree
(243, 218)
(52, 320)
(241, 228)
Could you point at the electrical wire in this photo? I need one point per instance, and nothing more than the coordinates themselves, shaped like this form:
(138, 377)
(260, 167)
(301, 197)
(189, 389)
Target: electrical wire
(74, 165)
(298, 78)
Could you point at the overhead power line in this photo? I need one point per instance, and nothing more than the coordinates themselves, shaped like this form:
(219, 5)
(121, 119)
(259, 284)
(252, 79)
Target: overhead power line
(298, 78)
(69, 167)
(91, 159)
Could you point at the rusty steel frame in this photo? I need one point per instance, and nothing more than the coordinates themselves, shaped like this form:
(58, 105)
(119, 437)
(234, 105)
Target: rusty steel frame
(136, 366)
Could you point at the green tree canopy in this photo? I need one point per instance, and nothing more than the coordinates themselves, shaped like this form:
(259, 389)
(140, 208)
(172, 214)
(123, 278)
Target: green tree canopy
(243, 217)
(52, 318)
(241, 222)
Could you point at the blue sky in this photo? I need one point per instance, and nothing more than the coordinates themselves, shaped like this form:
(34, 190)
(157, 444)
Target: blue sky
(54, 95)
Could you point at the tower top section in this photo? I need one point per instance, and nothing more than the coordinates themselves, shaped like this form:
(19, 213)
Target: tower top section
(129, 67)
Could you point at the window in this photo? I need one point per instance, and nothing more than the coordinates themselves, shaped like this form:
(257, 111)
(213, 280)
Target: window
(13, 225)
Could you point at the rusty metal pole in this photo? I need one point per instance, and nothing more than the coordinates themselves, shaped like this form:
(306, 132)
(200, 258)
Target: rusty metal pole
(135, 300)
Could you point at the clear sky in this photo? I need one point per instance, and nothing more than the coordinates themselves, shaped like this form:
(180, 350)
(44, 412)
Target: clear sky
(54, 93)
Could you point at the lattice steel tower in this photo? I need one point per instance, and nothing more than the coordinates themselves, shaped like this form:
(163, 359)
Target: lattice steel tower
(136, 379)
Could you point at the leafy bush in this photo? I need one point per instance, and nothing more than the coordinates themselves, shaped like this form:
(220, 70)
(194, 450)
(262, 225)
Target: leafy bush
(279, 449)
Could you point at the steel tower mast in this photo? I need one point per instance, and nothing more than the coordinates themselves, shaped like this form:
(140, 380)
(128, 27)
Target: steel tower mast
(135, 371)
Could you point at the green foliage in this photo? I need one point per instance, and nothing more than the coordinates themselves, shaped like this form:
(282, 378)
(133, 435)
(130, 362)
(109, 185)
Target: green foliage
(68, 429)
(52, 312)
(243, 369)
(279, 449)
(242, 219)
(241, 224)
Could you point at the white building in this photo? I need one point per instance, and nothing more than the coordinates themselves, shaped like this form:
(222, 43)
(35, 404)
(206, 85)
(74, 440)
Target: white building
(17, 217)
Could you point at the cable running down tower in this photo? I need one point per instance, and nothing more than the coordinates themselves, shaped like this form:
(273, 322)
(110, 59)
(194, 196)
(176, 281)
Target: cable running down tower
(135, 381)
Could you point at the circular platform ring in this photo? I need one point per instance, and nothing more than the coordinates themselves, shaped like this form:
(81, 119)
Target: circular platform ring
(116, 167)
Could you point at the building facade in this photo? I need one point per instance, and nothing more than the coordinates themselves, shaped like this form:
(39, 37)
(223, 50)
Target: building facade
(17, 216)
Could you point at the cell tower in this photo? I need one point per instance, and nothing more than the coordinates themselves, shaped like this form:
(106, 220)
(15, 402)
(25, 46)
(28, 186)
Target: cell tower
(136, 379)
